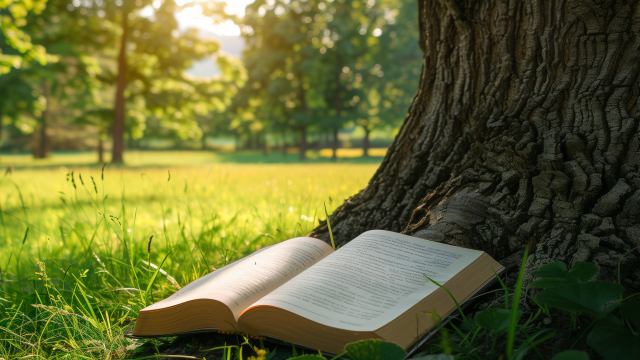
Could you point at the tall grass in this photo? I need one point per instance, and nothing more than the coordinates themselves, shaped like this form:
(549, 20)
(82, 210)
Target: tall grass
(82, 250)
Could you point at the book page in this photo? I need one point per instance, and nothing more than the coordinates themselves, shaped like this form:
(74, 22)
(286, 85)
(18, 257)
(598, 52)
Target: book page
(370, 281)
(243, 282)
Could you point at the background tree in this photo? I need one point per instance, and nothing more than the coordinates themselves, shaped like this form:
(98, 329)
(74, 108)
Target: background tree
(524, 132)
(67, 78)
(17, 98)
(387, 70)
(13, 15)
(336, 33)
(312, 64)
(279, 58)
(73, 37)
(152, 59)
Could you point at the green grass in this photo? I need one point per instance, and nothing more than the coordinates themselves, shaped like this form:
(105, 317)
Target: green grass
(73, 257)
(162, 158)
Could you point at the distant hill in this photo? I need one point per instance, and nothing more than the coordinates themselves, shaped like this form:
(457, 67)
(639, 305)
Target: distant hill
(233, 45)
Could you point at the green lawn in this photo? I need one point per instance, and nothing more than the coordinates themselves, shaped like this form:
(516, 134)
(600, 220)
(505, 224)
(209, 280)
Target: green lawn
(73, 254)
(165, 158)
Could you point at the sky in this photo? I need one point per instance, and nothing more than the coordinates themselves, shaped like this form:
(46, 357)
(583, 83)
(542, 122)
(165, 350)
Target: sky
(191, 16)
(227, 33)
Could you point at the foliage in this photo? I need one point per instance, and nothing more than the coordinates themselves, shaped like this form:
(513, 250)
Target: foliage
(13, 15)
(81, 38)
(313, 67)
(375, 349)
(612, 337)
(571, 355)
(156, 83)
(570, 291)
(319, 64)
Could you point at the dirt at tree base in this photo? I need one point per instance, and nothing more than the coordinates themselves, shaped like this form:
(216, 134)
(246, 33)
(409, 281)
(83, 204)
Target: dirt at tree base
(195, 345)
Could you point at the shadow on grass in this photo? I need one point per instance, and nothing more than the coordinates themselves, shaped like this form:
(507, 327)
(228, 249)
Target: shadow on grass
(176, 158)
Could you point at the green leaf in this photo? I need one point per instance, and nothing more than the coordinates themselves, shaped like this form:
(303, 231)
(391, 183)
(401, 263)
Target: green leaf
(630, 311)
(581, 272)
(144, 347)
(613, 340)
(435, 357)
(553, 274)
(588, 298)
(546, 283)
(571, 355)
(496, 319)
(375, 349)
(551, 270)
(307, 357)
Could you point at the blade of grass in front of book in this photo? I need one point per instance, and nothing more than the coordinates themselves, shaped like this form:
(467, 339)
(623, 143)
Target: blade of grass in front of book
(506, 291)
(511, 334)
(339, 355)
(155, 275)
(454, 300)
(333, 244)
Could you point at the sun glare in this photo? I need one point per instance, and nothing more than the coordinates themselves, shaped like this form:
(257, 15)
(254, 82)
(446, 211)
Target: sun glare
(192, 16)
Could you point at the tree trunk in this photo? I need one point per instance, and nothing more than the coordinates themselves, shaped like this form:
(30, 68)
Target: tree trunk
(100, 148)
(334, 145)
(284, 144)
(130, 141)
(265, 147)
(41, 150)
(365, 141)
(1, 127)
(237, 143)
(524, 131)
(118, 120)
(204, 142)
(303, 142)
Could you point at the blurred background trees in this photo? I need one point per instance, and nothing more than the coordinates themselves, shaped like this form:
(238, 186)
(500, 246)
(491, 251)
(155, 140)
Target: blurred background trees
(114, 74)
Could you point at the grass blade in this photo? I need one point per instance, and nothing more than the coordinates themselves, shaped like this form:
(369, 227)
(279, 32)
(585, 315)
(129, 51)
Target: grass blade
(511, 334)
(155, 275)
(333, 244)
(454, 301)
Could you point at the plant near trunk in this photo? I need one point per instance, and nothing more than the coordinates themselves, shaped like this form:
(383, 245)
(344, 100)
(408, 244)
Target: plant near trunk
(614, 336)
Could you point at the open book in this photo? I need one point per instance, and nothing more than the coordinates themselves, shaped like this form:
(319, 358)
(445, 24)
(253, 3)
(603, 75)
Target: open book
(304, 292)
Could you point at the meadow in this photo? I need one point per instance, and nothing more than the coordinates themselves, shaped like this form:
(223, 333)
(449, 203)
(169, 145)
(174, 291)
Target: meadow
(84, 247)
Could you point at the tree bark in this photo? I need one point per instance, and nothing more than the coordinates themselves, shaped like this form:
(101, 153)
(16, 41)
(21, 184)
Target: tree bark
(41, 150)
(284, 144)
(334, 145)
(1, 127)
(118, 120)
(523, 132)
(100, 148)
(303, 142)
(263, 143)
(365, 141)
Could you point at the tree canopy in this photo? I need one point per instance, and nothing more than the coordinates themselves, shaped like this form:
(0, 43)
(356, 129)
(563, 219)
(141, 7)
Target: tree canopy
(310, 68)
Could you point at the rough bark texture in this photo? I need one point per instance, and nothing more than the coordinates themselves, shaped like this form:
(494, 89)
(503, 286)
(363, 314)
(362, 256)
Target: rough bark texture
(365, 141)
(100, 148)
(118, 121)
(1, 127)
(524, 130)
(303, 143)
(41, 147)
(334, 145)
